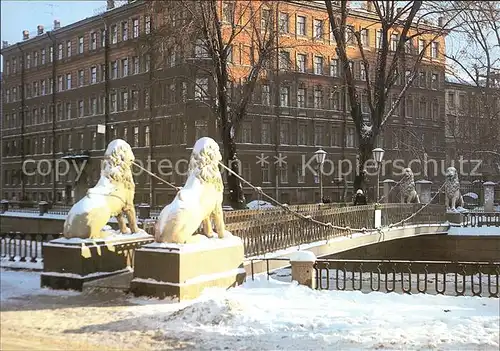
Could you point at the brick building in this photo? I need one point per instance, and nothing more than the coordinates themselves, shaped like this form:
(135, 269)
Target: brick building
(59, 98)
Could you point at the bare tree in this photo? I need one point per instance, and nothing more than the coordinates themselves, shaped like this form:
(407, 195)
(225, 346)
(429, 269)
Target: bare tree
(474, 63)
(215, 30)
(397, 60)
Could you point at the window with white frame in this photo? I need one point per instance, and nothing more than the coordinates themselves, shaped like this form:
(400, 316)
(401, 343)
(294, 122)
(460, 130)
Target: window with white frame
(283, 173)
(135, 99)
(135, 65)
(266, 19)
(421, 46)
(35, 58)
(103, 38)
(265, 133)
(136, 137)
(285, 133)
(334, 67)
(378, 39)
(80, 78)
(60, 83)
(302, 134)
(200, 50)
(284, 63)
(318, 65)
(147, 136)
(93, 41)
(93, 75)
(124, 100)
(301, 25)
(228, 12)
(284, 22)
(201, 88)
(114, 69)
(266, 95)
(124, 67)
(147, 24)
(80, 45)
(81, 109)
(124, 28)
(394, 41)
(318, 135)
(318, 29)
(349, 34)
(285, 96)
(135, 28)
(114, 34)
(318, 98)
(265, 173)
(113, 104)
(68, 81)
(434, 49)
(301, 97)
(68, 48)
(246, 132)
(362, 71)
(365, 42)
(42, 57)
(60, 51)
(93, 106)
(200, 129)
(301, 63)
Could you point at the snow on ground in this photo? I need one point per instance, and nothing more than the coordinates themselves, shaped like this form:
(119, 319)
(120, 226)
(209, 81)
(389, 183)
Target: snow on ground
(261, 315)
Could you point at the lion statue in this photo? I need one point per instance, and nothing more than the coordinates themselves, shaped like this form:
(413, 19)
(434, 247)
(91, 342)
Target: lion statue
(196, 202)
(453, 198)
(113, 195)
(408, 192)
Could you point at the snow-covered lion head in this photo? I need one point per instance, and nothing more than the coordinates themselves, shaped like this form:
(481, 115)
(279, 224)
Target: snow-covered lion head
(204, 162)
(117, 163)
(451, 175)
(408, 181)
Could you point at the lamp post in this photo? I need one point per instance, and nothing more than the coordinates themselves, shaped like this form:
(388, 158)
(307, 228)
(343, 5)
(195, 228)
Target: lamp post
(320, 158)
(378, 156)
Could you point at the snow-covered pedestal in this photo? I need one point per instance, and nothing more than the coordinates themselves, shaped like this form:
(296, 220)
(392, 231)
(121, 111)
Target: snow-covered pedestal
(302, 263)
(69, 263)
(489, 196)
(183, 271)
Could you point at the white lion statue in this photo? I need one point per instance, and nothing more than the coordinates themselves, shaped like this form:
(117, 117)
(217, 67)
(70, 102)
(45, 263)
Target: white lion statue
(453, 197)
(196, 202)
(112, 196)
(408, 191)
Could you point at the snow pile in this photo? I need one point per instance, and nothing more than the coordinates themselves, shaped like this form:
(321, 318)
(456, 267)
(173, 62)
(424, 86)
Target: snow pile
(259, 205)
(273, 315)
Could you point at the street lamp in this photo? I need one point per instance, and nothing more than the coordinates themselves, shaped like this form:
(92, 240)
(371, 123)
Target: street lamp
(320, 158)
(378, 156)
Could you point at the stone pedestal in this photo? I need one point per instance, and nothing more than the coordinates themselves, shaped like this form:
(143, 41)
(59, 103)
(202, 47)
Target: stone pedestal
(182, 272)
(303, 272)
(489, 196)
(388, 186)
(4, 206)
(43, 208)
(69, 263)
(456, 218)
(424, 190)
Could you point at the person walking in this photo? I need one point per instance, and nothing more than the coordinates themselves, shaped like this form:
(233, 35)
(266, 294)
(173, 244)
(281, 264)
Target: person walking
(360, 198)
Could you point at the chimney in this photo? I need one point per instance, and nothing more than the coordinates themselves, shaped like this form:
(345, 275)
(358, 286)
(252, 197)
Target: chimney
(5, 43)
(57, 24)
(111, 4)
(39, 29)
(26, 35)
(440, 21)
(369, 6)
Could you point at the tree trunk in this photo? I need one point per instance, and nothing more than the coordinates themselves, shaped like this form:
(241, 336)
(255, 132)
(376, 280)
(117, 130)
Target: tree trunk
(364, 153)
(236, 195)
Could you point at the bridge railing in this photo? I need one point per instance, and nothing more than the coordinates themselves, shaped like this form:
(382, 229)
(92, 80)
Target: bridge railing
(481, 219)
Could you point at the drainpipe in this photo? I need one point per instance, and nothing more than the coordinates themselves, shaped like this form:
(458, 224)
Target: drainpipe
(23, 107)
(53, 110)
(106, 82)
(151, 134)
(277, 105)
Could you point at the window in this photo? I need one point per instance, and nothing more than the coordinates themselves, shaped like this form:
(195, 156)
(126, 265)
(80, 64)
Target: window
(200, 129)
(124, 67)
(60, 51)
(35, 116)
(80, 78)
(246, 171)
(184, 91)
(318, 135)
(28, 61)
(362, 71)
(68, 110)
(93, 41)
(42, 57)
(394, 41)
(285, 96)
(364, 38)
(80, 45)
(93, 106)
(113, 103)
(434, 49)
(265, 173)
(35, 59)
(103, 38)
(147, 24)
(114, 34)
(349, 34)
(350, 137)
(266, 20)
(136, 137)
(435, 110)
(201, 88)
(422, 77)
(265, 133)
(301, 97)
(246, 132)
(421, 46)
(200, 51)
(409, 105)
(318, 29)
(135, 28)
(285, 133)
(114, 70)
(60, 85)
(434, 81)
(284, 22)
(43, 115)
(68, 48)
(81, 111)
(35, 89)
(94, 140)
(147, 63)
(102, 104)
(334, 67)
(335, 136)
(409, 45)
(228, 12)
(81, 143)
(266, 95)
(318, 98)
(301, 25)
(93, 75)
(302, 134)
(135, 63)
(51, 85)
(283, 173)
(124, 100)
(147, 136)
(318, 65)
(284, 60)
(68, 81)
(378, 39)
(135, 99)
(301, 63)
(124, 31)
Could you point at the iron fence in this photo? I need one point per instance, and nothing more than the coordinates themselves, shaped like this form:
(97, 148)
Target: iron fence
(409, 277)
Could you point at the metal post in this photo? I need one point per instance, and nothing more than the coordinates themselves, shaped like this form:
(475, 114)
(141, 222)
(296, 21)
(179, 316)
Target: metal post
(321, 182)
(378, 182)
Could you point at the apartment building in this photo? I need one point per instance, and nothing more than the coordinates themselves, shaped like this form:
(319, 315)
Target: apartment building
(69, 91)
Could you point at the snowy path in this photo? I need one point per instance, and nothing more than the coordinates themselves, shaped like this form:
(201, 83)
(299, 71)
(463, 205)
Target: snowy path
(260, 316)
